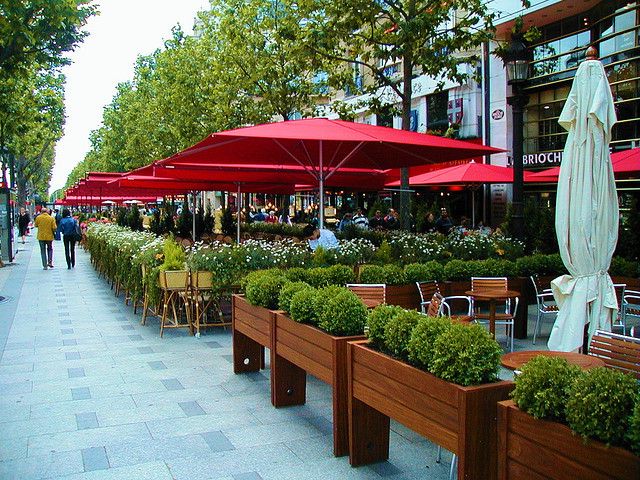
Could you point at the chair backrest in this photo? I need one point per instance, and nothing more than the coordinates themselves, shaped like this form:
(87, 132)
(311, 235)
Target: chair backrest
(617, 351)
(489, 283)
(174, 279)
(537, 286)
(435, 305)
(372, 294)
(427, 289)
(619, 288)
(202, 280)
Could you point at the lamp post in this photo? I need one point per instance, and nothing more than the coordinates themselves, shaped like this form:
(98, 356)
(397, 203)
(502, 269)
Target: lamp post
(516, 59)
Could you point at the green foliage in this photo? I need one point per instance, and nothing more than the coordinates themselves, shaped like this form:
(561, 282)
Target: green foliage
(397, 332)
(174, 256)
(340, 275)
(317, 277)
(256, 274)
(394, 275)
(633, 436)
(491, 267)
(423, 337)
(343, 313)
(121, 217)
(133, 219)
(384, 254)
(273, 228)
(288, 291)
(321, 257)
(600, 404)
(303, 306)
(628, 247)
(423, 272)
(372, 274)
(297, 274)
(466, 355)
(264, 290)
(377, 321)
(184, 224)
(540, 264)
(542, 389)
(623, 268)
(539, 227)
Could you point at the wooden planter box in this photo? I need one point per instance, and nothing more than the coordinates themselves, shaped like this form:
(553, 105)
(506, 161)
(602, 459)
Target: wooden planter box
(534, 449)
(298, 349)
(520, 284)
(251, 328)
(405, 296)
(460, 419)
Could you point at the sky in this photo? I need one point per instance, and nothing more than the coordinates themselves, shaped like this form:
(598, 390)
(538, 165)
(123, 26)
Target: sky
(123, 30)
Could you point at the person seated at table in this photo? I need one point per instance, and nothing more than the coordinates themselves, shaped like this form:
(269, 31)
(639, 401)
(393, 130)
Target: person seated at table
(319, 237)
(347, 220)
(271, 218)
(444, 223)
(391, 219)
(360, 220)
(429, 223)
(377, 221)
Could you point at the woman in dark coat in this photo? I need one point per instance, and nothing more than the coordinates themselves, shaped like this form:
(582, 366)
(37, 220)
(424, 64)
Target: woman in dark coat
(23, 223)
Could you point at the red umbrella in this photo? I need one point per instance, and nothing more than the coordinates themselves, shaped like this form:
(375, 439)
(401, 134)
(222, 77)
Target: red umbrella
(471, 173)
(322, 146)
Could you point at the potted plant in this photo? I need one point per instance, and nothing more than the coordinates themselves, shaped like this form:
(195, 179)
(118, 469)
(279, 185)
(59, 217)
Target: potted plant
(314, 340)
(449, 396)
(564, 423)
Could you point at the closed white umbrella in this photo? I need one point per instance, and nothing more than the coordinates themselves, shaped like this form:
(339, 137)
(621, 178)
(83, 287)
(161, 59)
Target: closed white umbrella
(586, 211)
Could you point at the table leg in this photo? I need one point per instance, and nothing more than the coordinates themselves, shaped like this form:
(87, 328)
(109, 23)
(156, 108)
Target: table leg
(492, 317)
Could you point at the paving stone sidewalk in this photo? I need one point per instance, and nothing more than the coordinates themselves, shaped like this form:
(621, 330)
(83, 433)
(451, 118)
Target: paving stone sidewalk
(86, 392)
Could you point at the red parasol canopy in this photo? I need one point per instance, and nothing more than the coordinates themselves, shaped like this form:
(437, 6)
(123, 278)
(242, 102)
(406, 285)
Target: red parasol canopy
(467, 174)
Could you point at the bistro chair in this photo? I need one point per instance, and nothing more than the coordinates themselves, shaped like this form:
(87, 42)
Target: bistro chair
(371, 294)
(630, 306)
(426, 291)
(206, 300)
(176, 298)
(619, 321)
(619, 352)
(505, 316)
(543, 297)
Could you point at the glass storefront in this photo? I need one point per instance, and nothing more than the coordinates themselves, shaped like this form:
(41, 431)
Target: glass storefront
(614, 28)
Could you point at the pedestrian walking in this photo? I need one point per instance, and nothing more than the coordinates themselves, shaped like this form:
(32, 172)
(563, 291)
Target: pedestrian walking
(69, 229)
(46, 226)
(23, 223)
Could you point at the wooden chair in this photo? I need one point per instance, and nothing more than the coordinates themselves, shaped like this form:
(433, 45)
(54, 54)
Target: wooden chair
(618, 351)
(543, 297)
(206, 301)
(371, 294)
(630, 306)
(176, 297)
(506, 317)
(426, 291)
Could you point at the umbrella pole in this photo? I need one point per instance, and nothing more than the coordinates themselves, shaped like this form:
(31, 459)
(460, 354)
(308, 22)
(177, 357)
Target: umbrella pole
(473, 208)
(321, 185)
(193, 217)
(238, 216)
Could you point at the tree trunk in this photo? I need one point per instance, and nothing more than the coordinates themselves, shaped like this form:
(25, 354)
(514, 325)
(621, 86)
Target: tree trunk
(21, 183)
(405, 196)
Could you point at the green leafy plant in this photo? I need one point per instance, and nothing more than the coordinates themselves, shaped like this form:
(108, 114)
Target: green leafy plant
(542, 389)
(394, 275)
(297, 274)
(174, 255)
(321, 257)
(303, 306)
(343, 313)
(317, 277)
(264, 290)
(287, 293)
(600, 404)
(340, 275)
(623, 268)
(422, 272)
(384, 254)
(251, 277)
(423, 338)
(457, 270)
(377, 321)
(633, 436)
(466, 355)
(372, 274)
(397, 332)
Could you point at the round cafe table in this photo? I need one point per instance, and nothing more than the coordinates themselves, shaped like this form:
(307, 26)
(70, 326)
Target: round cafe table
(492, 296)
(515, 360)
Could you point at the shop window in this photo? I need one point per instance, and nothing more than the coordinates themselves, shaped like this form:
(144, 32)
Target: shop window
(437, 119)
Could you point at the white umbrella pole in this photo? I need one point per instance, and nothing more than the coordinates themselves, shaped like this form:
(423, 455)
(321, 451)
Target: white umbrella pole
(238, 215)
(321, 184)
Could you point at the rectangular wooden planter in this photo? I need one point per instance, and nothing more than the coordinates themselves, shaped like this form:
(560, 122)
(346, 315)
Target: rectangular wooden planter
(460, 419)
(251, 326)
(535, 449)
(298, 349)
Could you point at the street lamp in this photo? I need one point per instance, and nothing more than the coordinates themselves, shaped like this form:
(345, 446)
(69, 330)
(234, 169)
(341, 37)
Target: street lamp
(516, 59)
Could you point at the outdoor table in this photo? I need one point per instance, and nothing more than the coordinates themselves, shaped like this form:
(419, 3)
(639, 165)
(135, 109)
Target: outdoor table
(515, 360)
(492, 296)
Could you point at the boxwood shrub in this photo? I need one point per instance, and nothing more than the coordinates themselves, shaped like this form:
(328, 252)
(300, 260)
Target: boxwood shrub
(289, 289)
(372, 274)
(423, 338)
(303, 306)
(542, 389)
(394, 275)
(340, 275)
(397, 332)
(423, 272)
(342, 313)
(377, 321)
(634, 428)
(600, 405)
(264, 290)
(466, 355)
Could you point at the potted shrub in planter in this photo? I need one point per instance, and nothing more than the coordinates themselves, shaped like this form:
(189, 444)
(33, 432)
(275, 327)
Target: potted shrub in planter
(398, 291)
(453, 403)
(564, 423)
(252, 319)
(332, 317)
